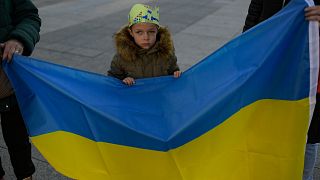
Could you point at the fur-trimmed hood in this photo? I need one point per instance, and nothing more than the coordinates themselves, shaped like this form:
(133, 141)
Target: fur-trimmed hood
(128, 49)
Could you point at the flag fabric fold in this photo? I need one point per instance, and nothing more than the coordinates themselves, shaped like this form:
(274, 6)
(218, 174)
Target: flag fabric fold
(241, 113)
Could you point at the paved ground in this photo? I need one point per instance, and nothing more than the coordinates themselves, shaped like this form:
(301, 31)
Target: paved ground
(78, 33)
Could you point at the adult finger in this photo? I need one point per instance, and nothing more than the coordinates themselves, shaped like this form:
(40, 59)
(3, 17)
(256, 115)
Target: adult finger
(313, 18)
(315, 10)
(8, 52)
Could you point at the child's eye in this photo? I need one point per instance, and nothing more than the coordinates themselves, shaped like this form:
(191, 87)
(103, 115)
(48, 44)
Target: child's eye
(139, 32)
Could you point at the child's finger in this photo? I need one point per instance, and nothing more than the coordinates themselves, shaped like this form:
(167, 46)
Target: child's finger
(128, 81)
(125, 81)
(177, 74)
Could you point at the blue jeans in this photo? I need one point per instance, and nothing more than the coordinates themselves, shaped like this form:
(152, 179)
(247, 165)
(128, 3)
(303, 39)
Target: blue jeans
(310, 161)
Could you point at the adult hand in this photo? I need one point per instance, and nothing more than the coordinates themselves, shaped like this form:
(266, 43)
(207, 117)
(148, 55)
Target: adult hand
(10, 47)
(312, 13)
(128, 81)
(177, 74)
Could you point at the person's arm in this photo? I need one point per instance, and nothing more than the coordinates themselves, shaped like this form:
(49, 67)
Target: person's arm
(116, 69)
(173, 67)
(25, 34)
(26, 20)
(254, 13)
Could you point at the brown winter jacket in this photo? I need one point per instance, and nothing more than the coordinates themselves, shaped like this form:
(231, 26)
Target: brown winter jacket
(133, 61)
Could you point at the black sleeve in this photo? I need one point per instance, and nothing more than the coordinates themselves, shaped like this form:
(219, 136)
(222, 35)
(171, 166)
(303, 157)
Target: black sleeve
(26, 21)
(254, 13)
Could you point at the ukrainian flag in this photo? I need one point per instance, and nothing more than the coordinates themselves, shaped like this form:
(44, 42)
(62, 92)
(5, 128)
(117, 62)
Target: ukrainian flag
(241, 113)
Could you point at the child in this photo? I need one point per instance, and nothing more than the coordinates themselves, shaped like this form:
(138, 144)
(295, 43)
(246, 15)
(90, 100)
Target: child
(144, 48)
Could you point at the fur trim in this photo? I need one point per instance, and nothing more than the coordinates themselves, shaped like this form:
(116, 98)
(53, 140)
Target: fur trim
(128, 50)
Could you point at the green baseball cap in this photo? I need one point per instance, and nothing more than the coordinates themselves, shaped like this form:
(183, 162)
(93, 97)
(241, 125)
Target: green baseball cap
(141, 13)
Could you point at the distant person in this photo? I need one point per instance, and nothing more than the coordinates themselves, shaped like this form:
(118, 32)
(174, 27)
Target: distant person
(144, 48)
(260, 10)
(19, 32)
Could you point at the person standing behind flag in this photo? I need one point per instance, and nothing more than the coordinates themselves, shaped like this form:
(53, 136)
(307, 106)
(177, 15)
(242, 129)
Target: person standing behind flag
(19, 32)
(260, 10)
(313, 14)
(144, 48)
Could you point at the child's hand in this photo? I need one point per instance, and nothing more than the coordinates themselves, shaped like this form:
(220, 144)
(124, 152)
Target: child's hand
(177, 74)
(128, 81)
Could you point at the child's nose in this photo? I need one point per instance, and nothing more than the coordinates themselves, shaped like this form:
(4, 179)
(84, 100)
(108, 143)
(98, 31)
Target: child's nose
(145, 36)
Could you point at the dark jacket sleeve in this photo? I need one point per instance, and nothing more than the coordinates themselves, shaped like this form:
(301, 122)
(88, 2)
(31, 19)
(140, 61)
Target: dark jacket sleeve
(26, 21)
(173, 66)
(254, 13)
(116, 70)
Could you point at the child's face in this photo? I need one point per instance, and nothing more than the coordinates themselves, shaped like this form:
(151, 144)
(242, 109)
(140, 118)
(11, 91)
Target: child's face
(144, 34)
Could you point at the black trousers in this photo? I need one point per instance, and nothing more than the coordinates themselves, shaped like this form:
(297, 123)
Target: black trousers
(17, 140)
(314, 129)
